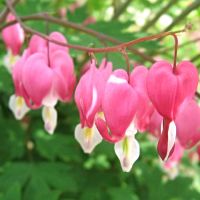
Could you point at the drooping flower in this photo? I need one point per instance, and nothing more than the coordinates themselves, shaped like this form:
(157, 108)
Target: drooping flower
(119, 105)
(167, 88)
(188, 123)
(13, 36)
(88, 98)
(17, 103)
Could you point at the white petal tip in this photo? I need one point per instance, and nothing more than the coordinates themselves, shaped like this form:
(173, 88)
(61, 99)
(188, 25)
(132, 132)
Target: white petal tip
(18, 106)
(49, 115)
(127, 151)
(88, 138)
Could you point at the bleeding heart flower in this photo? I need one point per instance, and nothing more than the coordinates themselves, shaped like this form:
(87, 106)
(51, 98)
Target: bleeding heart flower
(88, 98)
(188, 123)
(145, 108)
(13, 36)
(128, 149)
(168, 88)
(119, 106)
(89, 92)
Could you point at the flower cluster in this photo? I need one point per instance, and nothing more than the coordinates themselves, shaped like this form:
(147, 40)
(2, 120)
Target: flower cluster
(113, 105)
(43, 75)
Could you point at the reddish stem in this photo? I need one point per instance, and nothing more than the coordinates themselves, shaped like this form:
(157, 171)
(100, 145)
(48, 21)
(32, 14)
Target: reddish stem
(175, 50)
(124, 53)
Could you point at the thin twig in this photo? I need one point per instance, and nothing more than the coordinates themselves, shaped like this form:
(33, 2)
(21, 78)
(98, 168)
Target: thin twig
(5, 12)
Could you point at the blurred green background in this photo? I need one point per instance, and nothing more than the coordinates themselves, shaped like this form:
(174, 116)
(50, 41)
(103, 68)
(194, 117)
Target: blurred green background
(37, 166)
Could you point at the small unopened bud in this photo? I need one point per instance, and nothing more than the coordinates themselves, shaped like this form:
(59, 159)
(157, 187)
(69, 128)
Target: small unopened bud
(30, 145)
(188, 27)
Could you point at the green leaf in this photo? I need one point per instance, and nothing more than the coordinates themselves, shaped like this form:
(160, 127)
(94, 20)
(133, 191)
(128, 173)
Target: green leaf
(122, 193)
(14, 192)
(57, 146)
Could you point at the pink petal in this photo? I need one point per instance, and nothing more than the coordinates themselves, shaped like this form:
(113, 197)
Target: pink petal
(187, 81)
(37, 44)
(105, 133)
(37, 78)
(188, 124)
(138, 78)
(145, 108)
(17, 75)
(60, 38)
(155, 124)
(162, 89)
(119, 105)
(84, 97)
(64, 76)
(13, 36)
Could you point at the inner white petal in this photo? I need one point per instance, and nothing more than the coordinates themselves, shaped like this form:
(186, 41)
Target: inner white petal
(117, 80)
(131, 130)
(51, 99)
(94, 101)
(171, 138)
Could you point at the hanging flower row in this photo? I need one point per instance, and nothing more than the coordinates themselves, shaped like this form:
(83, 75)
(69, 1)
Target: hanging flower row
(113, 105)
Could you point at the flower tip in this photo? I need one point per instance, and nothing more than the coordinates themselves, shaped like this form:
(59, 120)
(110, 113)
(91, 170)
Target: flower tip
(88, 138)
(49, 116)
(49, 128)
(18, 106)
(127, 151)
